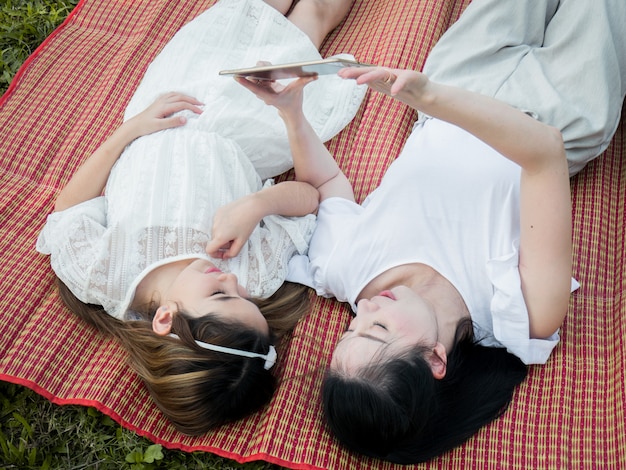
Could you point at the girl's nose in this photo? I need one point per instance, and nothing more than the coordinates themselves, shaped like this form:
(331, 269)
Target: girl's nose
(228, 278)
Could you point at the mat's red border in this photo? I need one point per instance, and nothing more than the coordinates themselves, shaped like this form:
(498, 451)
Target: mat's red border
(167, 444)
(36, 52)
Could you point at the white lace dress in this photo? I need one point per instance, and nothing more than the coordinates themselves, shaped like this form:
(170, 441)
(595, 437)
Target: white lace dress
(163, 191)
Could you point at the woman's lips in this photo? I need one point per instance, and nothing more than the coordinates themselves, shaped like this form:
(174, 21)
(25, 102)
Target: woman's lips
(388, 294)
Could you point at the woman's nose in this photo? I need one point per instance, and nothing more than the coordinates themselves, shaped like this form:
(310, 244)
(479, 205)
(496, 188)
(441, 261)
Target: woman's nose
(365, 306)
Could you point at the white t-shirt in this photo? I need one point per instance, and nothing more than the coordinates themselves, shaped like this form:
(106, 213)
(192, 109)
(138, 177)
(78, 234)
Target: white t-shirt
(449, 201)
(163, 191)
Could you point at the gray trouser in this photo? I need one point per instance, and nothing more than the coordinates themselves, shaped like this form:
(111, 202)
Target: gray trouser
(564, 62)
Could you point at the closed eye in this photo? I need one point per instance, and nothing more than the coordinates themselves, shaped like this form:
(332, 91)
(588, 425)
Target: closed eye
(380, 325)
(361, 335)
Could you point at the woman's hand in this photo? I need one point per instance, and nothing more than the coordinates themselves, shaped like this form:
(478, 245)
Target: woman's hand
(408, 86)
(90, 179)
(159, 115)
(232, 226)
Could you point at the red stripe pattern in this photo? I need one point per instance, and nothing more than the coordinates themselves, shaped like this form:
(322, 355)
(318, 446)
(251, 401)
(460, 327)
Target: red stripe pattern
(70, 96)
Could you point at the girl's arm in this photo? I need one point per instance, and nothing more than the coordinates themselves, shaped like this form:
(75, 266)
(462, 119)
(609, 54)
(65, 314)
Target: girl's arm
(313, 164)
(317, 175)
(545, 202)
(234, 222)
(90, 179)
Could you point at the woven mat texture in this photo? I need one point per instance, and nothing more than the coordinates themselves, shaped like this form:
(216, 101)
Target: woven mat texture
(69, 97)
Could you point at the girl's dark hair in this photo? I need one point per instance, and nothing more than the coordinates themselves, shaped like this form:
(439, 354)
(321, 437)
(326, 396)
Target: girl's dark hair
(397, 411)
(198, 389)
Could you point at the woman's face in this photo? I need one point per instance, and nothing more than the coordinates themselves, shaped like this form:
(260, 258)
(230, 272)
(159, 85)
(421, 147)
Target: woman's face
(202, 289)
(386, 324)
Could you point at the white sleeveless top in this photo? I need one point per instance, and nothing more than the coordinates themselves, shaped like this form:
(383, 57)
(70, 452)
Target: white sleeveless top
(449, 201)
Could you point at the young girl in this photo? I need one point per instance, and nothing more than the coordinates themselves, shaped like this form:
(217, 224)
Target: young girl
(195, 146)
(458, 266)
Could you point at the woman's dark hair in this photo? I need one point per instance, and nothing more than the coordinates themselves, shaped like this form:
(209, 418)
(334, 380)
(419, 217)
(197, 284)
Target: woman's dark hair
(397, 411)
(198, 389)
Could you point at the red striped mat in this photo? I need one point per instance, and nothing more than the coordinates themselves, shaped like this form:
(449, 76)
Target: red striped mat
(72, 93)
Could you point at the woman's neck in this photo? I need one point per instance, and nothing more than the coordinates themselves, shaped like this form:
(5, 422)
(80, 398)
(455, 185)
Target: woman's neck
(154, 286)
(434, 288)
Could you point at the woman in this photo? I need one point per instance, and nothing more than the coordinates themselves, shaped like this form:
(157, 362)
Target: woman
(458, 266)
(199, 329)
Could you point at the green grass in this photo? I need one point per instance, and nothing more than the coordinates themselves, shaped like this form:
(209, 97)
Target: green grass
(23, 26)
(34, 433)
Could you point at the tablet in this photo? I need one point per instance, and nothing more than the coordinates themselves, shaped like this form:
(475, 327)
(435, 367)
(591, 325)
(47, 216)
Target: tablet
(295, 69)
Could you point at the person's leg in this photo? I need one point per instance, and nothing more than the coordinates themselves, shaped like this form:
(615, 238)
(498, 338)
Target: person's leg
(577, 80)
(317, 18)
(486, 44)
(282, 6)
(563, 62)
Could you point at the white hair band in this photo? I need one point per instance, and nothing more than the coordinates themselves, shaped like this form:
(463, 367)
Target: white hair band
(270, 357)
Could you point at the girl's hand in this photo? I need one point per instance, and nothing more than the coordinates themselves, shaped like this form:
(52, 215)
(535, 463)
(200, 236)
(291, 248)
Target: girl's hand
(232, 226)
(159, 115)
(287, 99)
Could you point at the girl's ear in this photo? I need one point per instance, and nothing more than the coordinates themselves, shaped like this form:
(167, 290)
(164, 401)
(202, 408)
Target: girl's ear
(438, 361)
(162, 321)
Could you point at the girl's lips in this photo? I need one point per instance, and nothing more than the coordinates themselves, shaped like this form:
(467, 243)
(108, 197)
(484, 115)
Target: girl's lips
(212, 269)
(388, 294)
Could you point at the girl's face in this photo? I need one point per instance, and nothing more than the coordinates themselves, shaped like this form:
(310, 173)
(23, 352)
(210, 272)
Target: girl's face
(385, 325)
(202, 289)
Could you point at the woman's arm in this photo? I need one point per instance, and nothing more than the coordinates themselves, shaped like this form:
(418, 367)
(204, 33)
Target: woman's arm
(234, 222)
(313, 163)
(90, 179)
(545, 204)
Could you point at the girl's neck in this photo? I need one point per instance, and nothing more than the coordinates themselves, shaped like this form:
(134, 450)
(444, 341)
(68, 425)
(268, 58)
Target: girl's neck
(153, 287)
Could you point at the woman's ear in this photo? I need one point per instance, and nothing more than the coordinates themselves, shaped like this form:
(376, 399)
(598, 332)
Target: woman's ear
(162, 321)
(438, 361)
